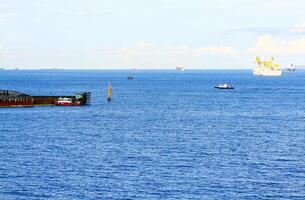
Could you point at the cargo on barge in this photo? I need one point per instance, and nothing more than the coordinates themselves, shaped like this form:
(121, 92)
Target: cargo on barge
(9, 98)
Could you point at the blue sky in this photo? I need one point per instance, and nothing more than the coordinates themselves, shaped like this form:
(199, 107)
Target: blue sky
(146, 34)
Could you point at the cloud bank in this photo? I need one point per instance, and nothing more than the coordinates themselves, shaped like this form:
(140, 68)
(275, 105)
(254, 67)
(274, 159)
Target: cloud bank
(266, 44)
(143, 48)
(145, 54)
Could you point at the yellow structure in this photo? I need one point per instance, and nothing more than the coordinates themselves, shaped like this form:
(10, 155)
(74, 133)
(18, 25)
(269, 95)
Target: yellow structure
(266, 68)
(268, 64)
(109, 92)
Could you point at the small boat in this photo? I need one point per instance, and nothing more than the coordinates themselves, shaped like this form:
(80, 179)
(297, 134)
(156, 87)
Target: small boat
(291, 68)
(224, 86)
(129, 77)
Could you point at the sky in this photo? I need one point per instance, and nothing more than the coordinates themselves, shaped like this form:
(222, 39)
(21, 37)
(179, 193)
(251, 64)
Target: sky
(150, 34)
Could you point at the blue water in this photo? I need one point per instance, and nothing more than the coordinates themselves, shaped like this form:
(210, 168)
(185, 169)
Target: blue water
(165, 135)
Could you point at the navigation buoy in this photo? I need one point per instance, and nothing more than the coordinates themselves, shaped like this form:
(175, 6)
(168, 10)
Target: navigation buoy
(109, 92)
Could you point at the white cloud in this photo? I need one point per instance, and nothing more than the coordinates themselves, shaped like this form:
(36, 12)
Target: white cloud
(147, 48)
(300, 28)
(268, 45)
(219, 50)
(5, 16)
(144, 45)
(146, 54)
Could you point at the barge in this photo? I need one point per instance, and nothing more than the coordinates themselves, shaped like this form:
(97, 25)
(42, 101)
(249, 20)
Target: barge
(9, 98)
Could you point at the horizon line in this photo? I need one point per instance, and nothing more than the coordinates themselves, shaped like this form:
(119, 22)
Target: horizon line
(117, 69)
(120, 68)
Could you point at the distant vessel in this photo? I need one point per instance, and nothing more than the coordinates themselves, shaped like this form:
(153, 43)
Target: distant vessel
(266, 68)
(291, 67)
(224, 86)
(129, 77)
(180, 68)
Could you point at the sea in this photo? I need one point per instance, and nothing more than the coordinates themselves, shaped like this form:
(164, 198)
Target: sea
(165, 135)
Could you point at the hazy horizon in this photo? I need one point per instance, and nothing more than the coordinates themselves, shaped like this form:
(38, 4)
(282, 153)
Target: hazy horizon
(123, 69)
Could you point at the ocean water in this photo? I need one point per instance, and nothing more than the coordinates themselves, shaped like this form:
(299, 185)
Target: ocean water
(165, 135)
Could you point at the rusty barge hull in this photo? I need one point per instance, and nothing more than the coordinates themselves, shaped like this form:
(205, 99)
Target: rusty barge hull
(10, 98)
(28, 102)
(47, 100)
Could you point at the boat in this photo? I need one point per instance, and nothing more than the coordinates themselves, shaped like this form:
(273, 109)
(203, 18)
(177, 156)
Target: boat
(266, 68)
(224, 86)
(129, 77)
(291, 68)
(180, 68)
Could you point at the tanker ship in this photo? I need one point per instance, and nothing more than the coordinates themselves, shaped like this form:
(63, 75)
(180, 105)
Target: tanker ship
(266, 68)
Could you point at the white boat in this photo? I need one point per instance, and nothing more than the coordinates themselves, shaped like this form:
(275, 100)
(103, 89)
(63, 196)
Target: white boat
(224, 86)
(266, 68)
(291, 67)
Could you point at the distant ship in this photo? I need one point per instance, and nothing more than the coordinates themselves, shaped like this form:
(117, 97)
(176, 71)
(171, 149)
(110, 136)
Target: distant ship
(180, 68)
(266, 68)
(291, 67)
